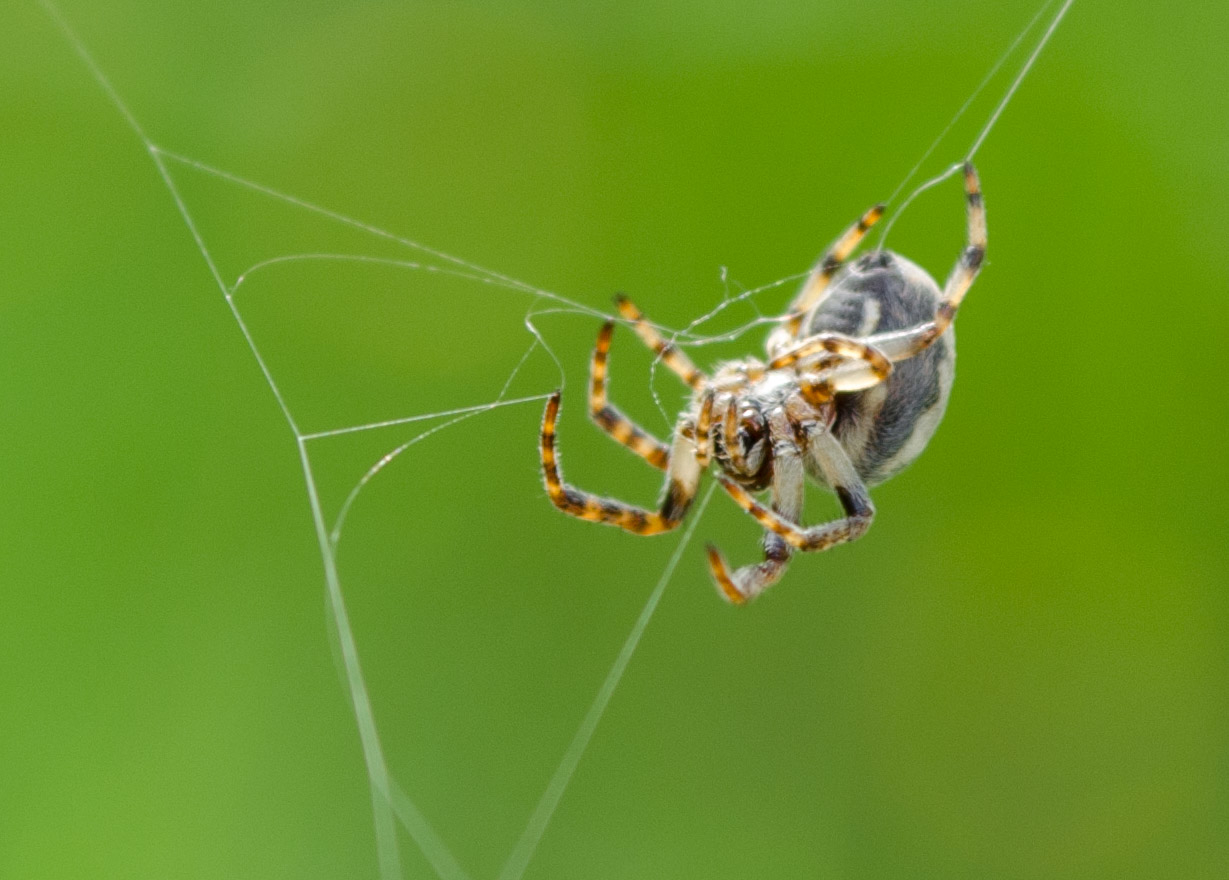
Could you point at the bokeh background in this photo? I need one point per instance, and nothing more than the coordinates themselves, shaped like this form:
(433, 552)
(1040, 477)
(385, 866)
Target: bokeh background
(1020, 672)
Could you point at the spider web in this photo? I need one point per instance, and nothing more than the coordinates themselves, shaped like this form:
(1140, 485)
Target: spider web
(378, 248)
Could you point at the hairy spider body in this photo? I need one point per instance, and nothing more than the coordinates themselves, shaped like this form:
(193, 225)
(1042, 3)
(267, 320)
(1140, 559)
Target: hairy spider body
(857, 376)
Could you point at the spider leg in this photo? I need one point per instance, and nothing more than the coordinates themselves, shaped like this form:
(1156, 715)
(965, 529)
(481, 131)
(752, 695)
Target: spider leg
(682, 479)
(817, 282)
(729, 435)
(834, 465)
(610, 419)
(969, 264)
(788, 484)
(899, 346)
(669, 353)
(865, 366)
(704, 425)
(833, 343)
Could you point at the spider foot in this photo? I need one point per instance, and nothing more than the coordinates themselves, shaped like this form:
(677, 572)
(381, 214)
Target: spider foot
(724, 581)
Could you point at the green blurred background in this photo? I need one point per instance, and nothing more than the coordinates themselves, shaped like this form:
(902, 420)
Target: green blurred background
(1021, 671)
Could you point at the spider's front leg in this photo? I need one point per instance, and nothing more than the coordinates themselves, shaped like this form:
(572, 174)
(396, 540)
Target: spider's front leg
(788, 487)
(609, 418)
(829, 459)
(682, 479)
(671, 355)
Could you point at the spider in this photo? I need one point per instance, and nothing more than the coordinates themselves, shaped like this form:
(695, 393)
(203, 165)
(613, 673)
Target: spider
(857, 376)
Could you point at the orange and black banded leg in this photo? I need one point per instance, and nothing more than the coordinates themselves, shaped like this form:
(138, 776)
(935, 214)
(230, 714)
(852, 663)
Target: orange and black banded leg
(742, 585)
(863, 366)
(839, 472)
(898, 346)
(704, 428)
(788, 487)
(669, 353)
(682, 479)
(610, 419)
(817, 282)
(729, 435)
(971, 258)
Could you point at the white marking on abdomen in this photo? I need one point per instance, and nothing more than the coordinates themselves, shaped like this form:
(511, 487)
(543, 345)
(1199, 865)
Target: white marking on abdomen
(870, 317)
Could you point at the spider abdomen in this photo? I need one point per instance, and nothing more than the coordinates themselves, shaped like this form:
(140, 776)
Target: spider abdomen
(886, 427)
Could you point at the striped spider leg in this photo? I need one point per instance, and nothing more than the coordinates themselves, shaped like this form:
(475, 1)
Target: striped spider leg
(801, 443)
(669, 353)
(682, 461)
(901, 345)
(817, 282)
(829, 362)
(787, 487)
(609, 418)
(826, 460)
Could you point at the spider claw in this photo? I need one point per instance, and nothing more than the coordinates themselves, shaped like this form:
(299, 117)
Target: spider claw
(721, 575)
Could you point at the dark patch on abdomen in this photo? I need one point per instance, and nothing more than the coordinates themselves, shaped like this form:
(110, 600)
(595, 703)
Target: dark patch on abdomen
(913, 388)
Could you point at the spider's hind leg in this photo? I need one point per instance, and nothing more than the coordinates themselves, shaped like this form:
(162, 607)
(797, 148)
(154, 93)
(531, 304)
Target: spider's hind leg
(969, 264)
(819, 279)
(899, 346)
(863, 365)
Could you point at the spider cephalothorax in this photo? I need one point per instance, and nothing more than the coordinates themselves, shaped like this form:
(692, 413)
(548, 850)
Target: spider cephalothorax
(856, 380)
